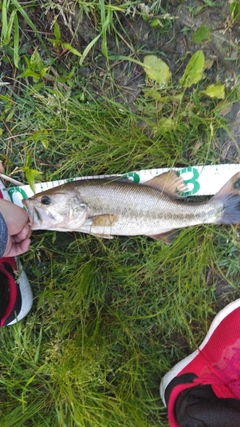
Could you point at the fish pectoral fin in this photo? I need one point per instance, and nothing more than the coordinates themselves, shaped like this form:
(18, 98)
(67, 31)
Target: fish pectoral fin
(105, 220)
(166, 237)
(95, 225)
(169, 182)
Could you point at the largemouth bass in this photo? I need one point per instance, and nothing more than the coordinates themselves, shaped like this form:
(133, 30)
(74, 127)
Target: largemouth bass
(109, 207)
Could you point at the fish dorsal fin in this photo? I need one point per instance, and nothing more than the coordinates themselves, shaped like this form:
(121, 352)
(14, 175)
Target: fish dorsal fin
(169, 182)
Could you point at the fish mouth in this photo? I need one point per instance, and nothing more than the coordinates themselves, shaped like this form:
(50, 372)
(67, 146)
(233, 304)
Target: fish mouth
(35, 217)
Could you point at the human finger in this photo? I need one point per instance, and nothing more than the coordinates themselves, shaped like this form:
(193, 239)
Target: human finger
(25, 233)
(17, 248)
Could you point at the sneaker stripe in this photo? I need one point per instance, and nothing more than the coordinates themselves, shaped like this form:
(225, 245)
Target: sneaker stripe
(13, 294)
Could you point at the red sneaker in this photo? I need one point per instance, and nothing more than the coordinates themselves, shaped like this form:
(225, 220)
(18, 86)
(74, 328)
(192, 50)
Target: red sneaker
(216, 362)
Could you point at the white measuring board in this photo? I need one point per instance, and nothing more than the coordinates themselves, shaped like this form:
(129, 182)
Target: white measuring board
(200, 180)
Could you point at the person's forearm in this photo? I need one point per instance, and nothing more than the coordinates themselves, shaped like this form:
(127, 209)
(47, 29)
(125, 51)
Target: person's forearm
(3, 235)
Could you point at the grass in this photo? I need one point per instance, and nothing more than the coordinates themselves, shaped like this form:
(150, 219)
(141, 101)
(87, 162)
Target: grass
(110, 318)
(104, 327)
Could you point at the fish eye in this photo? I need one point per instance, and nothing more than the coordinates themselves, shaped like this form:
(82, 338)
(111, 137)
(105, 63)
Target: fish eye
(45, 200)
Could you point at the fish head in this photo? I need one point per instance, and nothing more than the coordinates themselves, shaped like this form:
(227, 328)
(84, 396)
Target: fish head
(56, 209)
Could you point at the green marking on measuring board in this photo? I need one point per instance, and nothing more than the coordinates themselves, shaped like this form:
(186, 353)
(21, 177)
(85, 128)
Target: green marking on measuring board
(193, 180)
(14, 190)
(134, 175)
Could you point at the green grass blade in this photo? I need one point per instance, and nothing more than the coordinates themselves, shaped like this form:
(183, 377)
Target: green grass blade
(10, 26)
(16, 41)
(126, 58)
(22, 11)
(88, 48)
(4, 20)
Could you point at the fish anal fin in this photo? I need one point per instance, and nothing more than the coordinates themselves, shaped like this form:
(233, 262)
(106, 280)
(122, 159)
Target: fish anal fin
(166, 237)
(169, 182)
(105, 220)
(102, 236)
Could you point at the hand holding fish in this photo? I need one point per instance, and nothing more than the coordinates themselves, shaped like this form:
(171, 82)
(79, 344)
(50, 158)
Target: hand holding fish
(19, 230)
(109, 207)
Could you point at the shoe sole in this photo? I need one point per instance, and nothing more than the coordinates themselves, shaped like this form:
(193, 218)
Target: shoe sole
(26, 294)
(168, 377)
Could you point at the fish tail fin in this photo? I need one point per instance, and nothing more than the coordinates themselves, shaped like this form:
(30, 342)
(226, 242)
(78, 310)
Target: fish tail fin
(230, 197)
